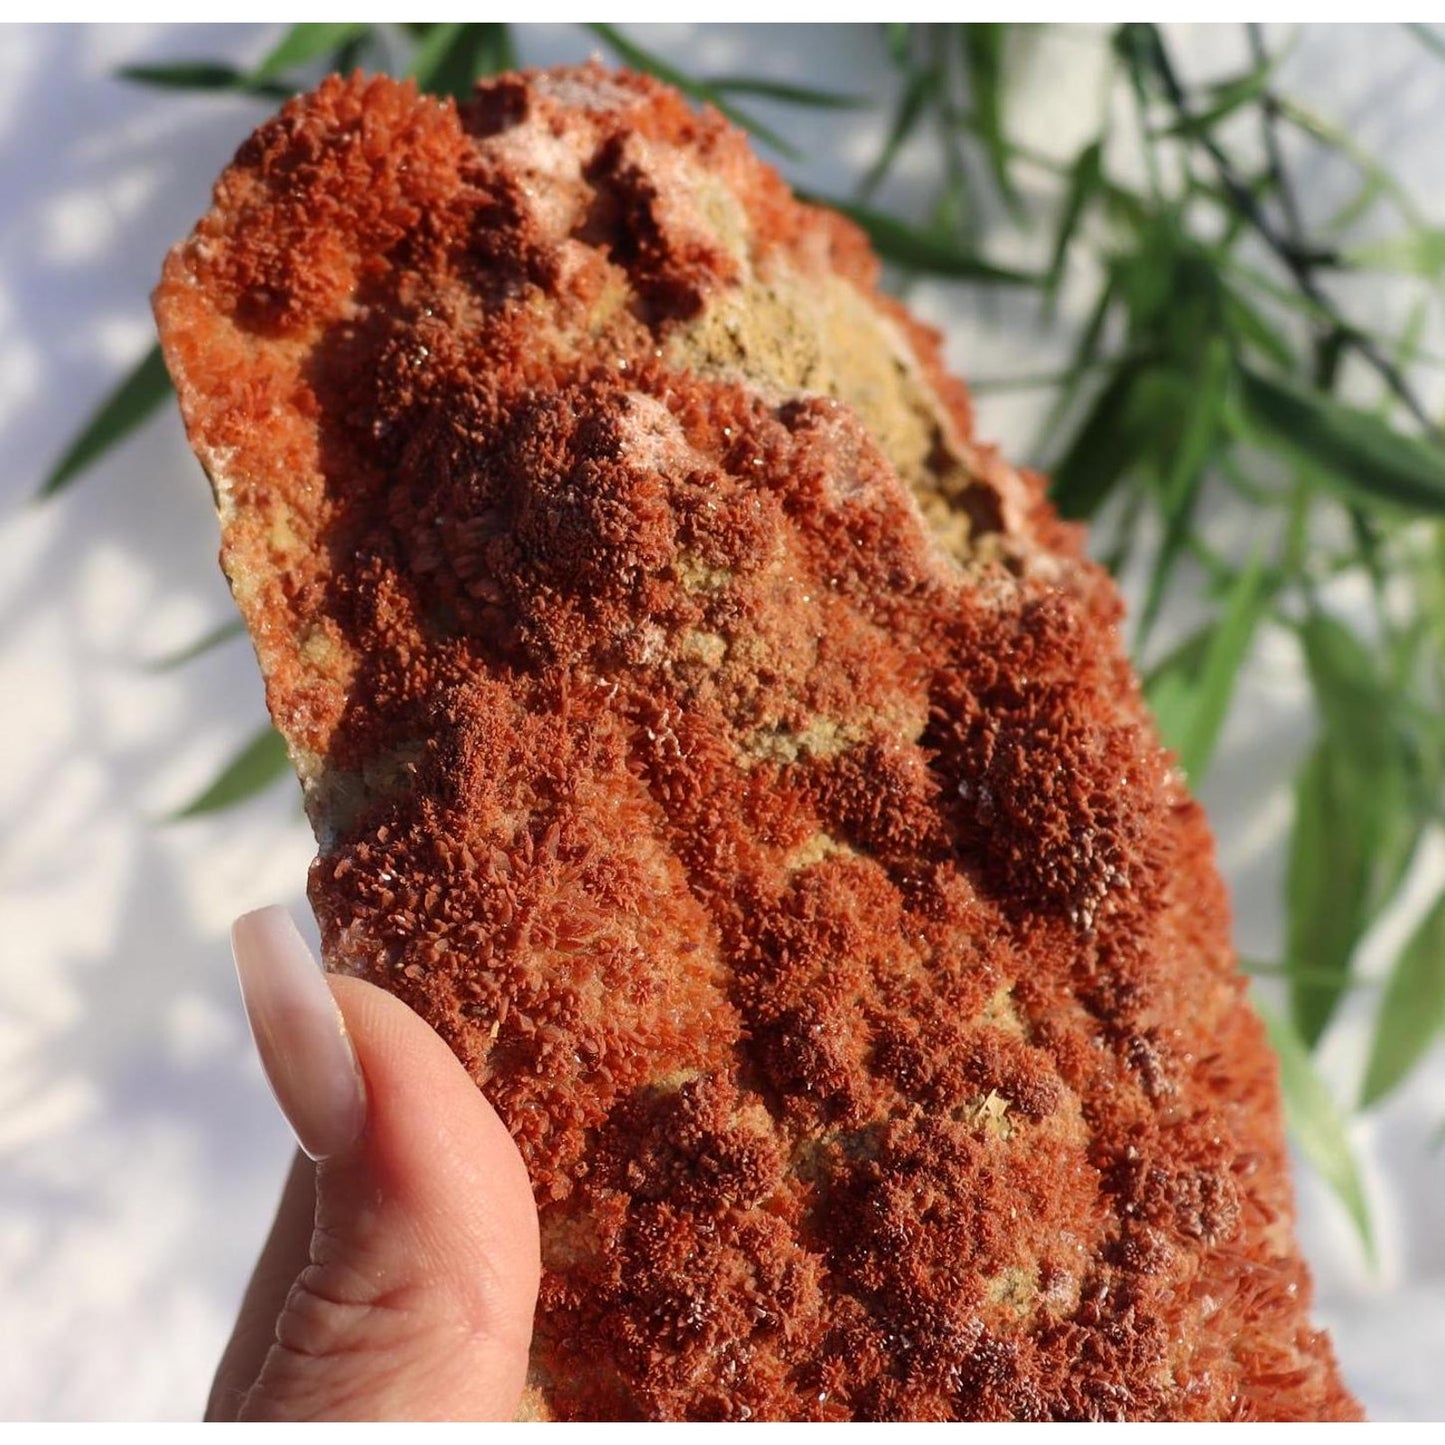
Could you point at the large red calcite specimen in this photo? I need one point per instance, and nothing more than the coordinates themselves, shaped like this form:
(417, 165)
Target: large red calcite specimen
(737, 763)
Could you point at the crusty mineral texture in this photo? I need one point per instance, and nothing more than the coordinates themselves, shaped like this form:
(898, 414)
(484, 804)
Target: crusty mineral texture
(737, 763)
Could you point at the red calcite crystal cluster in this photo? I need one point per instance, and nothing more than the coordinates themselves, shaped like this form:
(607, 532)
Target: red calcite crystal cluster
(736, 762)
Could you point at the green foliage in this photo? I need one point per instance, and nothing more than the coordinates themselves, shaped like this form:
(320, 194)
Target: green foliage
(208, 642)
(920, 89)
(914, 250)
(203, 75)
(791, 94)
(1191, 690)
(1327, 885)
(450, 58)
(1317, 1125)
(1412, 1013)
(1348, 450)
(1420, 252)
(1086, 179)
(304, 44)
(261, 762)
(1366, 723)
(1118, 432)
(1213, 360)
(136, 398)
(337, 45)
(983, 59)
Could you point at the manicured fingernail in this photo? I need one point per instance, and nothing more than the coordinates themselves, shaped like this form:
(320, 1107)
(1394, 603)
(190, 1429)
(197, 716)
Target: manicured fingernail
(299, 1033)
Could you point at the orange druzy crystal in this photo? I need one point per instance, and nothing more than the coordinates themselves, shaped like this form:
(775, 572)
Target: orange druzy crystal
(737, 763)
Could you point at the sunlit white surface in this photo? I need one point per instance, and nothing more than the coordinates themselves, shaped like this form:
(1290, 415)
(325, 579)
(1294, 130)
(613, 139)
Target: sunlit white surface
(140, 1155)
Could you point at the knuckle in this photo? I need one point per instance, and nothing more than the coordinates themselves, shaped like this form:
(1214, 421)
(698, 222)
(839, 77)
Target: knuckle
(335, 1309)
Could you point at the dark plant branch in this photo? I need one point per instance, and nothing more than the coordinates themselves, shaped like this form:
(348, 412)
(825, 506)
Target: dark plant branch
(1302, 262)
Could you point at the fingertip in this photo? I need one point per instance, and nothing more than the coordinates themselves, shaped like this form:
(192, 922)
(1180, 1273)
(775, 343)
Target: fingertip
(434, 1138)
(300, 1034)
(418, 1299)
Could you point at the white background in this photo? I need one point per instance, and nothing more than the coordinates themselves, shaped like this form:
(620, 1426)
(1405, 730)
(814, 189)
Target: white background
(139, 1153)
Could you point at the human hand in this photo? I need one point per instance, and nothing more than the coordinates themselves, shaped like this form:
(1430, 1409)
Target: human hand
(400, 1276)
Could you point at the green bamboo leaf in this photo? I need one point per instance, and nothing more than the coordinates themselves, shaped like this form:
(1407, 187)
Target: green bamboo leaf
(211, 640)
(1313, 310)
(921, 88)
(1428, 38)
(1225, 99)
(1363, 718)
(452, 57)
(1403, 822)
(1354, 452)
(1352, 692)
(135, 399)
(1082, 364)
(1335, 138)
(1137, 45)
(1246, 322)
(259, 764)
(1146, 275)
(1317, 1125)
(1326, 884)
(1171, 687)
(983, 61)
(916, 250)
(790, 94)
(1086, 178)
(1125, 208)
(896, 36)
(1416, 253)
(202, 75)
(1202, 405)
(1119, 432)
(633, 54)
(348, 57)
(304, 43)
(1197, 689)
(1412, 334)
(1256, 968)
(1412, 1013)
(432, 48)
(1347, 216)
(951, 219)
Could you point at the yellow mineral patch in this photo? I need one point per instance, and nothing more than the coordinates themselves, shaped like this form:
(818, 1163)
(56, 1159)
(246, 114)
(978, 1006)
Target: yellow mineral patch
(726, 221)
(999, 1012)
(708, 648)
(987, 1112)
(790, 334)
(324, 653)
(285, 540)
(670, 1083)
(818, 847)
(1014, 1288)
(822, 738)
(697, 576)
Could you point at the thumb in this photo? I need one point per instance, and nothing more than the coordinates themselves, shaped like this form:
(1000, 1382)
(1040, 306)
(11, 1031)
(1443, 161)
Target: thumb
(413, 1298)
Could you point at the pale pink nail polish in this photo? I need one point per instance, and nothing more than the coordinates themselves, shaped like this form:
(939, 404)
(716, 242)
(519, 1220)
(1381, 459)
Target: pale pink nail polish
(299, 1033)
